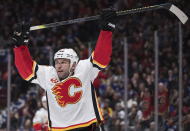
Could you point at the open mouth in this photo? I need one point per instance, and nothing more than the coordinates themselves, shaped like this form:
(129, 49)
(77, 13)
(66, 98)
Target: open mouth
(60, 71)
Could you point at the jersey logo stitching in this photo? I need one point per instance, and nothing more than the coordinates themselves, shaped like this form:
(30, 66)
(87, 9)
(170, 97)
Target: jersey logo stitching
(62, 91)
(54, 80)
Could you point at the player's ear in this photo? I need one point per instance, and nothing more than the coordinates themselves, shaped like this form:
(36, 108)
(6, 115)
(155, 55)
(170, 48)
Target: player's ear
(73, 66)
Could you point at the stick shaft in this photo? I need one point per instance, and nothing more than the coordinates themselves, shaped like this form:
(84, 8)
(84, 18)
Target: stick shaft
(96, 17)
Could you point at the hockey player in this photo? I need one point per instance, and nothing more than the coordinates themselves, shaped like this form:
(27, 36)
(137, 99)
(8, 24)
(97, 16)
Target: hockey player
(40, 120)
(72, 101)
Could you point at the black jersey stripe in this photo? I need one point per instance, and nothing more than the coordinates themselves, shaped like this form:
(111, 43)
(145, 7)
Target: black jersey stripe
(95, 104)
(94, 65)
(50, 124)
(35, 76)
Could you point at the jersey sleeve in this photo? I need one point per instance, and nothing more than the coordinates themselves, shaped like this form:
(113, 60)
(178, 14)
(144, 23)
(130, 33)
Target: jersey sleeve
(102, 54)
(94, 70)
(28, 69)
(24, 63)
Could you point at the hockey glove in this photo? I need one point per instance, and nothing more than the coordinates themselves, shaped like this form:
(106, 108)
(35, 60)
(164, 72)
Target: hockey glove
(21, 34)
(108, 19)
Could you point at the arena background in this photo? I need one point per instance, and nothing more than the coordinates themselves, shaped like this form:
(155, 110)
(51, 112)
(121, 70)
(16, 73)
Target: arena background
(138, 31)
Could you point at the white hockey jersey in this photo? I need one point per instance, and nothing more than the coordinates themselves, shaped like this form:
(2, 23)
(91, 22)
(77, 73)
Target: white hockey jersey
(72, 102)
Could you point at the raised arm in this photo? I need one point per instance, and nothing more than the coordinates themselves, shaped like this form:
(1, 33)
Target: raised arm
(23, 60)
(24, 63)
(103, 50)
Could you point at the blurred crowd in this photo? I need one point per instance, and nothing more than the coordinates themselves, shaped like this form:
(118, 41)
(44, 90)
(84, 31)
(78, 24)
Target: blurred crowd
(139, 31)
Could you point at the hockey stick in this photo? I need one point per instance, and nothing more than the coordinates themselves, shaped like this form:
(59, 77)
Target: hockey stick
(168, 6)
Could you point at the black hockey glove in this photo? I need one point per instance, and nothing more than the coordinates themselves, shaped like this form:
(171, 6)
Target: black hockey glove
(20, 35)
(108, 19)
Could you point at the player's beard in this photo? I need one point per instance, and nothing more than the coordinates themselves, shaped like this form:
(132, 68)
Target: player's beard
(63, 75)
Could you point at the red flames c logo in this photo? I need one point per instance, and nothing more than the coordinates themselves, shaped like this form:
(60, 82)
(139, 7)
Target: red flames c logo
(62, 91)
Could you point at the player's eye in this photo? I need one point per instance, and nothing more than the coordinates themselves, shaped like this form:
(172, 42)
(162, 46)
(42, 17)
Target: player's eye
(64, 62)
